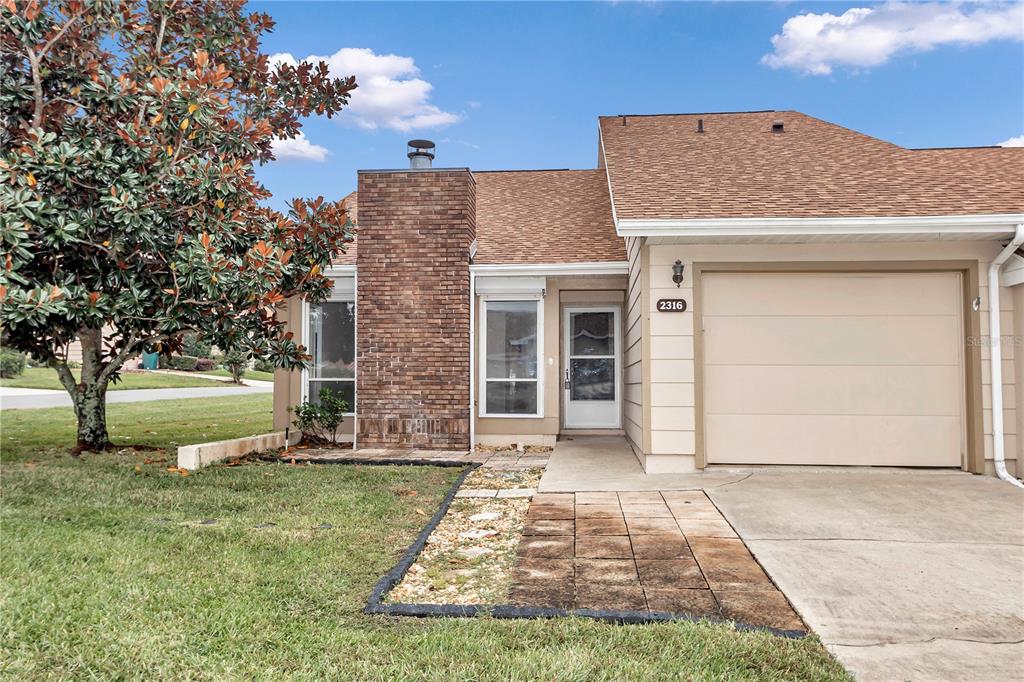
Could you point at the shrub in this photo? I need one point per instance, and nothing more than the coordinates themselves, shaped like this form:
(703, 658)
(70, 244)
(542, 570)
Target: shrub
(184, 363)
(205, 365)
(12, 364)
(319, 421)
(235, 363)
(261, 365)
(193, 344)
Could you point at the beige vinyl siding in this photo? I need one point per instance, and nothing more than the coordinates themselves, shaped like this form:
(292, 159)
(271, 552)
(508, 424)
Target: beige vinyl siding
(672, 371)
(632, 359)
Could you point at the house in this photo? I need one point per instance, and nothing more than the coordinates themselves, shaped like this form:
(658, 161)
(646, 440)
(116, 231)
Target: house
(724, 288)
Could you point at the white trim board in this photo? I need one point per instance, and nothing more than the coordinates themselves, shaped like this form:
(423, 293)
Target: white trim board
(552, 269)
(716, 227)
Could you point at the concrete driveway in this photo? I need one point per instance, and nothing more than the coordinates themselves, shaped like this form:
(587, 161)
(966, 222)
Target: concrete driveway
(903, 575)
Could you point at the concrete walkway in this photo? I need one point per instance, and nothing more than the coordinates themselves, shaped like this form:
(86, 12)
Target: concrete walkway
(9, 400)
(606, 463)
(908, 575)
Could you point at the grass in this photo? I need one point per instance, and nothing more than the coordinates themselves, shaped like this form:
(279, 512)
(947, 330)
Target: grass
(249, 374)
(160, 423)
(107, 572)
(44, 377)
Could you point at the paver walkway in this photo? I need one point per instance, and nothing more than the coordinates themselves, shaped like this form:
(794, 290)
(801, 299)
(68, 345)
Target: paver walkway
(666, 551)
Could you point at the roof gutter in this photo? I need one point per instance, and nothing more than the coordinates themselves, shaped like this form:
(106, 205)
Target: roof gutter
(860, 225)
(996, 356)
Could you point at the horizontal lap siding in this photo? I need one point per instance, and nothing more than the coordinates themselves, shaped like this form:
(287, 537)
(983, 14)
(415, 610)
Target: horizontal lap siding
(672, 369)
(632, 359)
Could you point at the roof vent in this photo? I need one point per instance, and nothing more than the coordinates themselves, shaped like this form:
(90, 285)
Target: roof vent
(700, 125)
(420, 153)
(778, 127)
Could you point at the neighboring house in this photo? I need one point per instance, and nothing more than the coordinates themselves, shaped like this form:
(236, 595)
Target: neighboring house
(835, 289)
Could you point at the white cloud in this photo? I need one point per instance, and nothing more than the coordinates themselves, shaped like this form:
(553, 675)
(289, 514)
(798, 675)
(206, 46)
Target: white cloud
(298, 149)
(473, 104)
(1013, 142)
(863, 37)
(390, 92)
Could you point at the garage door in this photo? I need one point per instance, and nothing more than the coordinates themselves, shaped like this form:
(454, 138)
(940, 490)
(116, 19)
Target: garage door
(833, 369)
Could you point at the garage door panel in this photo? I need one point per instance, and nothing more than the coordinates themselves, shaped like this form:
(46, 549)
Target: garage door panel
(830, 294)
(835, 440)
(833, 369)
(827, 389)
(829, 340)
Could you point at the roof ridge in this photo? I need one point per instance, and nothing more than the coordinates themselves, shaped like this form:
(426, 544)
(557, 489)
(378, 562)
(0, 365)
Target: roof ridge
(695, 113)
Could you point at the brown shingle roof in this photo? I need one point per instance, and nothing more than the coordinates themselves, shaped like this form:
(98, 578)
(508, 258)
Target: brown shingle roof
(545, 216)
(660, 167)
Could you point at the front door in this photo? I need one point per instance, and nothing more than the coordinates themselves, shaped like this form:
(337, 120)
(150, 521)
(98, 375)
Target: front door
(592, 355)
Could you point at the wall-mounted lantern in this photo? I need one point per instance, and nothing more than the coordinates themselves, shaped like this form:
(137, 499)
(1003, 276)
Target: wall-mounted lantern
(677, 273)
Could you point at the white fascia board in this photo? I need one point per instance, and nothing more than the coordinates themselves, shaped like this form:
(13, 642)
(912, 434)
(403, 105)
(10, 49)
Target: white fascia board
(552, 269)
(776, 227)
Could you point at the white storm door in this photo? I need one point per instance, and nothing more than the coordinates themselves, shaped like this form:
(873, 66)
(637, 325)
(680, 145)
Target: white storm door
(591, 374)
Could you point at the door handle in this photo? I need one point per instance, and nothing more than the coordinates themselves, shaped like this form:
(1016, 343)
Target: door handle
(567, 378)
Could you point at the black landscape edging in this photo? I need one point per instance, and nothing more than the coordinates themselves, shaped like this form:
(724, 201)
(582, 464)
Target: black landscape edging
(375, 604)
(395, 575)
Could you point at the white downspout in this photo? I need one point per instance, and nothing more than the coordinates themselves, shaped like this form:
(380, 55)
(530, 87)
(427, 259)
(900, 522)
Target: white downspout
(996, 356)
(472, 360)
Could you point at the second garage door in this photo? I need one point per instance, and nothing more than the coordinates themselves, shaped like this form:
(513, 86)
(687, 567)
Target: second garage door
(833, 368)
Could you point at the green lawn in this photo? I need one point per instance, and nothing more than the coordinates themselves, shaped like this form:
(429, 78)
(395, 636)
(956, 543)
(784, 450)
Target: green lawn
(160, 423)
(249, 374)
(106, 572)
(44, 377)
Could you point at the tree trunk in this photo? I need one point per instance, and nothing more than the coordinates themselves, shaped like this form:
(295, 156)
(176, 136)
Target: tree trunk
(91, 410)
(89, 394)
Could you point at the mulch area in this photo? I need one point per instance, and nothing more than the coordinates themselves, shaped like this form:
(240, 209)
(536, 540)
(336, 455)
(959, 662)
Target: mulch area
(645, 551)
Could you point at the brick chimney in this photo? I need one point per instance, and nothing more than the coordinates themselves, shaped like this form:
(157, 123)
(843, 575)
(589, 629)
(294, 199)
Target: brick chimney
(415, 231)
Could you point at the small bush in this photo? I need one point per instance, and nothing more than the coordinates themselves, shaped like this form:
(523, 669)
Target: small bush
(235, 363)
(261, 365)
(184, 363)
(193, 344)
(12, 364)
(319, 422)
(205, 365)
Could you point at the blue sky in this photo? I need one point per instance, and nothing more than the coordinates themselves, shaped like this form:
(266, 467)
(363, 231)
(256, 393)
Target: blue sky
(507, 86)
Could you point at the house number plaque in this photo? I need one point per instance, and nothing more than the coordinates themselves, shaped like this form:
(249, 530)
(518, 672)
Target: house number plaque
(671, 305)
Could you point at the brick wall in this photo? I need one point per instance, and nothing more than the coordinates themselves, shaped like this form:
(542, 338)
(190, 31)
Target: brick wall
(415, 230)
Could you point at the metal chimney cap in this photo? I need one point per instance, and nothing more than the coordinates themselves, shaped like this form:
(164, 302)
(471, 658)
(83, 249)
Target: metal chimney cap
(421, 154)
(421, 144)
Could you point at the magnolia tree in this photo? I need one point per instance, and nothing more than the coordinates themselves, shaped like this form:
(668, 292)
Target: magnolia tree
(129, 211)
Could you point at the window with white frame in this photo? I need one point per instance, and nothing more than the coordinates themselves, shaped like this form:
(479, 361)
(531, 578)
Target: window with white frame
(332, 343)
(511, 363)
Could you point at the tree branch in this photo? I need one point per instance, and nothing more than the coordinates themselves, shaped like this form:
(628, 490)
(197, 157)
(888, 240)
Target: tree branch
(37, 87)
(56, 37)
